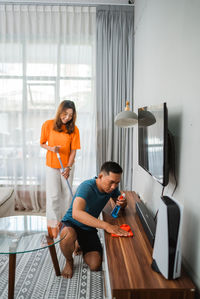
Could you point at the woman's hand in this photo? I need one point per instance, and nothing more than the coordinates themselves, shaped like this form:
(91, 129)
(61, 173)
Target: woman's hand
(66, 172)
(55, 149)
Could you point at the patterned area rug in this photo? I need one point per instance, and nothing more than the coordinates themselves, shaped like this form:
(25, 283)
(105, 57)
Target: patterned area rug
(35, 278)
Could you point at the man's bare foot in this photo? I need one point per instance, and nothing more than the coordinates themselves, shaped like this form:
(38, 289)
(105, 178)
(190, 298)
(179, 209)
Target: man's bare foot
(67, 272)
(77, 250)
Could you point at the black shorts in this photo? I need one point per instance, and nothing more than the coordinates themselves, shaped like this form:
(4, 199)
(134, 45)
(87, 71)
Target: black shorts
(88, 240)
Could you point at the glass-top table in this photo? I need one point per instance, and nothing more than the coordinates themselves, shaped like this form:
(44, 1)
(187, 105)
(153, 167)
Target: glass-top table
(21, 234)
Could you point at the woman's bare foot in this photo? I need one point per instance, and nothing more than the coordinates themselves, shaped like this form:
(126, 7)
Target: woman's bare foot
(53, 232)
(77, 250)
(67, 272)
(54, 228)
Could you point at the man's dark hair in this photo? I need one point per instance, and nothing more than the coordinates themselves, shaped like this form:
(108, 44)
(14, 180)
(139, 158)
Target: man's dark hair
(111, 166)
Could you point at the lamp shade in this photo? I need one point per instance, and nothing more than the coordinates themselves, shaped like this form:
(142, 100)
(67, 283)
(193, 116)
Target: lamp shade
(145, 118)
(127, 118)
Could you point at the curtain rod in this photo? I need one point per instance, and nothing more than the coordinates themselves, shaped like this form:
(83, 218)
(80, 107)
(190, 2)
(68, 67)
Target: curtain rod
(40, 2)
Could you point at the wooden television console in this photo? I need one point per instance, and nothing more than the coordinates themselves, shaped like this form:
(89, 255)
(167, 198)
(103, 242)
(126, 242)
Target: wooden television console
(127, 263)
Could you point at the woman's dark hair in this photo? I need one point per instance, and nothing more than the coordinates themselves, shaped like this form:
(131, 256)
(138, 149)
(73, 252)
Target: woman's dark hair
(70, 125)
(111, 166)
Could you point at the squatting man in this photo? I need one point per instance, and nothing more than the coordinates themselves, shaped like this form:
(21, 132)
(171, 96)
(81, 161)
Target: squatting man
(81, 220)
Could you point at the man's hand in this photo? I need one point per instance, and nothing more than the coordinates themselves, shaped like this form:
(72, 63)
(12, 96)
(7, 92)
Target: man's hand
(115, 229)
(79, 214)
(122, 202)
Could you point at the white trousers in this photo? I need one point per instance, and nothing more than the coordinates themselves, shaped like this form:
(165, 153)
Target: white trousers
(58, 196)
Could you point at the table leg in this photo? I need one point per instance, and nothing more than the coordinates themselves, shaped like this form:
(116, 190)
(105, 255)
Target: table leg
(11, 275)
(54, 258)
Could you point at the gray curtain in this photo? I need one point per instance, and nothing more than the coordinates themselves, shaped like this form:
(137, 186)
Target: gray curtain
(114, 79)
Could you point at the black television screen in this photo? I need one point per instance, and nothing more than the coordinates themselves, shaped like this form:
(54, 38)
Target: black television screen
(153, 141)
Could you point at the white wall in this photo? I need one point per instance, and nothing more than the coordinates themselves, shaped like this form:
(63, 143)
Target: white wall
(167, 69)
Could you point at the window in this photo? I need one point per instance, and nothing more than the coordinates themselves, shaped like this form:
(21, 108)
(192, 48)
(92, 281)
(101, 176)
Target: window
(33, 81)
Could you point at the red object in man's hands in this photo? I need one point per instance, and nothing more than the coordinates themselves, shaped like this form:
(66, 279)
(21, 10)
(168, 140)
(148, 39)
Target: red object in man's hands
(125, 227)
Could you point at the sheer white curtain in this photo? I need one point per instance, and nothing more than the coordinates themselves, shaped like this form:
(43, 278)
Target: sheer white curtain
(47, 54)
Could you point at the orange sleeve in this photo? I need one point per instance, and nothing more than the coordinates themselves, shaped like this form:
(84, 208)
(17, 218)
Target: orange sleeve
(76, 140)
(44, 133)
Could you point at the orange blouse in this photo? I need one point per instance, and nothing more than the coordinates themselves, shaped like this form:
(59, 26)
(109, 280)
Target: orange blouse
(67, 142)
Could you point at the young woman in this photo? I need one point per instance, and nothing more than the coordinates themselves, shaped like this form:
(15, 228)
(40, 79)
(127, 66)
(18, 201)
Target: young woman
(60, 135)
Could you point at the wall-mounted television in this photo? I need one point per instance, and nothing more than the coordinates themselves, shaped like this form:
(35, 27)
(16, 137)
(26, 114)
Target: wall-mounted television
(153, 141)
